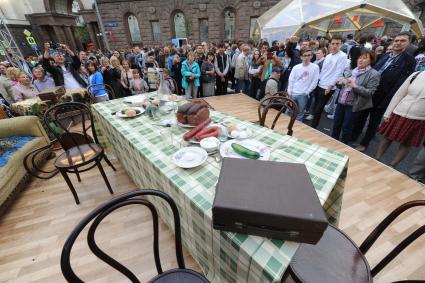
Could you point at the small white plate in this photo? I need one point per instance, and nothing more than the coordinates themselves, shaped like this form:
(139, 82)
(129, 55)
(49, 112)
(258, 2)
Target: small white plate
(246, 130)
(226, 149)
(189, 157)
(139, 111)
(222, 128)
(167, 97)
(135, 100)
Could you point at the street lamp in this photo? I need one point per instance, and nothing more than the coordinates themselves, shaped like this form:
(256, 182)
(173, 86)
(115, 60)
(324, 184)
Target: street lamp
(102, 28)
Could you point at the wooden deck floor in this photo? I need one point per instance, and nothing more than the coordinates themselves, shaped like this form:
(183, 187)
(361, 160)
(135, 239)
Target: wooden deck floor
(33, 231)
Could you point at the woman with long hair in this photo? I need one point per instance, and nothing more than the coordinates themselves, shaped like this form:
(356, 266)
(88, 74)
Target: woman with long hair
(255, 73)
(96, 78)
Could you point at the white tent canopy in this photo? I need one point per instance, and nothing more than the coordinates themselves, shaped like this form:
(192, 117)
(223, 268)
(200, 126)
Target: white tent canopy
(288, 17)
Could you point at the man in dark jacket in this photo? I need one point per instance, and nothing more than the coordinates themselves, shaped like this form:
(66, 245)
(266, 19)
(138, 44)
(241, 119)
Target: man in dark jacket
(394, 67)
(64, 73)
(222, 68)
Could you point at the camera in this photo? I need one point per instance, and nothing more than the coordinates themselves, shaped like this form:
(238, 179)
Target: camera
(54, 45)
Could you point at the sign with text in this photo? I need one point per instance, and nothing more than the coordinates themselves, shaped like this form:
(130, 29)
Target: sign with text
(112, 24)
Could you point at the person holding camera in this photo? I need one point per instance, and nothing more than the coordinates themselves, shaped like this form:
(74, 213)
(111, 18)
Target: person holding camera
(64, 73)
(355, 97)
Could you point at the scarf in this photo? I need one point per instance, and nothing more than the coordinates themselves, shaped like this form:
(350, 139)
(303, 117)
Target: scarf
(346, 97)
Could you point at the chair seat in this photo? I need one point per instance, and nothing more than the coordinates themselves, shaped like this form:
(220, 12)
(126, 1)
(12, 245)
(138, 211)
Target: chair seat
(179, 276)
(78, 155)
(335, 258)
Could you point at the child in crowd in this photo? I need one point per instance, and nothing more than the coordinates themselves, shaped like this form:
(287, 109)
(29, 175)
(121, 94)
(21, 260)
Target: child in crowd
(137, 84)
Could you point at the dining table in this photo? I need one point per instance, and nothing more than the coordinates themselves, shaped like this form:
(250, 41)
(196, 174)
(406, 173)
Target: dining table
(145, 148)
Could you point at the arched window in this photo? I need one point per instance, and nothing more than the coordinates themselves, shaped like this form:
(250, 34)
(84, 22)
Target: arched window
(133, 27)
(180, 25)
(229, 24)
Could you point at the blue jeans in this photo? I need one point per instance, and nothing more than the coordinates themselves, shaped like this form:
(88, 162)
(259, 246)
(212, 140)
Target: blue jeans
(343, 120)
(310, 103)
(242, 86)
(301, 101)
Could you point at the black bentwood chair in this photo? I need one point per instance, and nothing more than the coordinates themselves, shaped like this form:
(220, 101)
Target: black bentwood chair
(178, 275)
(281, 103)
(95, 87)
(336, 258)
(82, 152)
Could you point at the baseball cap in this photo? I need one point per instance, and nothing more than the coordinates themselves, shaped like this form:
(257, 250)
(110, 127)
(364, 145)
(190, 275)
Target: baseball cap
(276, 70)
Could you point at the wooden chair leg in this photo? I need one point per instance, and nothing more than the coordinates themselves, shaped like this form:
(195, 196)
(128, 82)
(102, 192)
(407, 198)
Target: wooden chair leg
(109, 162)
(99, 165)
(78, 174)
(71, 187)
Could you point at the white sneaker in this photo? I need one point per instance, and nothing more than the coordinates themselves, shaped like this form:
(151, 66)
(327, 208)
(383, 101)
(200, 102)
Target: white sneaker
(309, 117)
(330, 117)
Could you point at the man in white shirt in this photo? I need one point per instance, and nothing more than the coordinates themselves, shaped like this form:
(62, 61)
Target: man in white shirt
(332, 69)
(302, 81)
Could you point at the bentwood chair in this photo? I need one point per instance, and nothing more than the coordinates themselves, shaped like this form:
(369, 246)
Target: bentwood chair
(81, 151)
(101, 212)
(176, 86)
(336, 258)
(105, 87)
(281, 104)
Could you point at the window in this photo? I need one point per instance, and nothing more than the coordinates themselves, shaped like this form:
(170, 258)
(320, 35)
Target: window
(229, 24)
(254, 29)
(180, 26)
(203, 29)
(156, 31)
(133, 27)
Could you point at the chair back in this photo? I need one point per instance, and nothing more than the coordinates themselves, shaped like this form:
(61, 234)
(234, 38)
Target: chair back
(95, 87)
(99, 213)
(60, 118)
(280, 103)
(176, 86)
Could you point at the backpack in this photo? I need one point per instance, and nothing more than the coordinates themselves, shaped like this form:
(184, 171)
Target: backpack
(262, 90)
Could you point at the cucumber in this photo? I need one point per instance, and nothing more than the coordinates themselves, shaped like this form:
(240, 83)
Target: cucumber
(245, 152)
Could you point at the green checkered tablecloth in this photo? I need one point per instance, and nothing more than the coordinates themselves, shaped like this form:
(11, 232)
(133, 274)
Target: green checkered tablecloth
(145, 150)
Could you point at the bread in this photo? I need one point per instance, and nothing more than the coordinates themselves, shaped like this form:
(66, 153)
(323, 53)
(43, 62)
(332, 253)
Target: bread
(192, 113)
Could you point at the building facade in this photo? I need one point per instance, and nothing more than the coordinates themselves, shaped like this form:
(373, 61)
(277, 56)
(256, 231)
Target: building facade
(51, 20)
(155, 22)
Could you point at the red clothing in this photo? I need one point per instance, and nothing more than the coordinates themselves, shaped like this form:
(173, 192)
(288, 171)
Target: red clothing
(403, 130)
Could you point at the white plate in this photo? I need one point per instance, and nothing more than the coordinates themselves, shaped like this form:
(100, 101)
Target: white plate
(136, 100)
(120, 115)
(190, 157)
(248, 134)
(166, 97)
(222, 128)
(226, 149)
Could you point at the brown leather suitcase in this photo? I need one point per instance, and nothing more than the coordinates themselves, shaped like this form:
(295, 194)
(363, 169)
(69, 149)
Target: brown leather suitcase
(52, 94)
(270, 199)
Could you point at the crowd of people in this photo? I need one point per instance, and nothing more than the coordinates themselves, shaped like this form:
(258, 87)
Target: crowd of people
(366, 84)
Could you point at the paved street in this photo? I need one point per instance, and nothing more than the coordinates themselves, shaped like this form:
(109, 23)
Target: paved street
(325, 126)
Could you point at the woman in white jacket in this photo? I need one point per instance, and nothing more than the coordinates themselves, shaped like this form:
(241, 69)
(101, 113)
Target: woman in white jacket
(404, 119)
